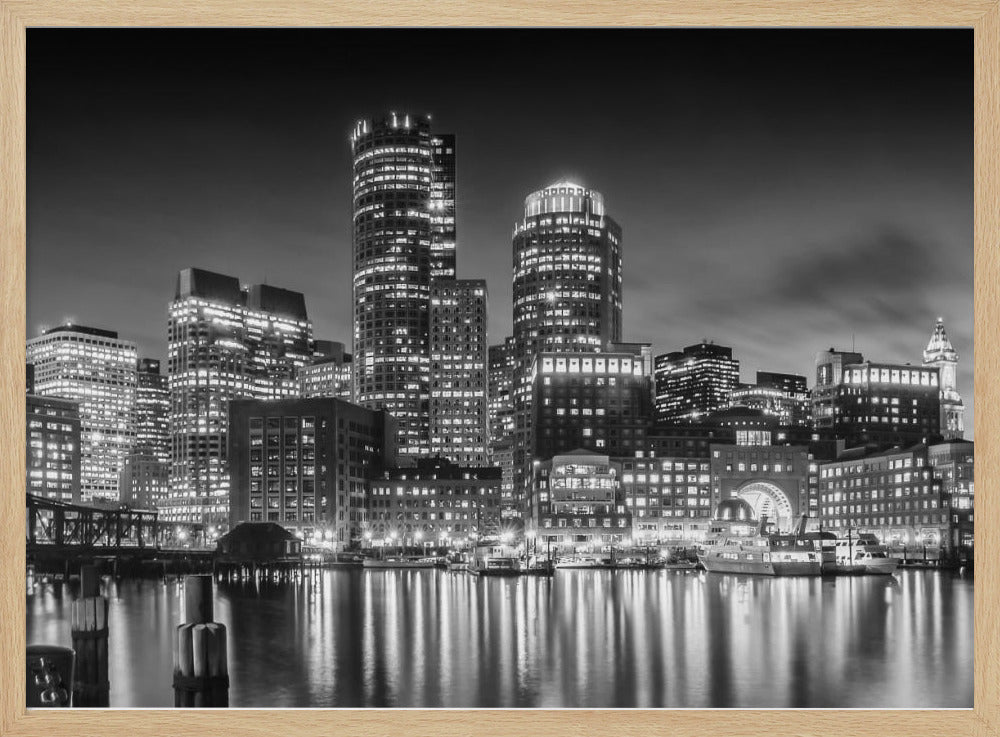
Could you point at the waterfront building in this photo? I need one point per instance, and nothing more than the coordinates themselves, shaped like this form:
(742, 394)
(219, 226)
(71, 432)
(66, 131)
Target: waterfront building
(782, 396)
(598, 402)
(329, 374)
(669, 496)
(459, 412)
(225, 342)
(53, 448)
(567, 290)
(396, 160)
(502, 456)
(306, 464)
(954, 464)
(694, 382)
(97, 370)
(941, 355)
(576, 504)
(894, 494)
(146, 474)
(879, 405)
(434, 503)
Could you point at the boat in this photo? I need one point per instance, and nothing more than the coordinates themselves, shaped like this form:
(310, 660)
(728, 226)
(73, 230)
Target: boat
(737, 543)
(535, 566)
(582, 562)
(397, 562)
(864, 555)
(494, 560)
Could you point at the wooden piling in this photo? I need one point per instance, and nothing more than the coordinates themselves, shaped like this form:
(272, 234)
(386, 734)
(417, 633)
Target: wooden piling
(89, 633)
(201, 667)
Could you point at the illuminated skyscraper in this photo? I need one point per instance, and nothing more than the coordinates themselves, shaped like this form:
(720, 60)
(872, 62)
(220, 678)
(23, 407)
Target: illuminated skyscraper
(567, 261)
(404, 235)
(694, 382)
(940, 354)
(225, 342)
(329, 374)
(96, 369)
(146, 475)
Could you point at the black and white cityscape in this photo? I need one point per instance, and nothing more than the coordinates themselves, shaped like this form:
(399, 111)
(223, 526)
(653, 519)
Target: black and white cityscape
(500, 368)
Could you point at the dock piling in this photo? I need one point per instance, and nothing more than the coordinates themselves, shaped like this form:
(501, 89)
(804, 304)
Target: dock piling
(201, 669)
(89, 633)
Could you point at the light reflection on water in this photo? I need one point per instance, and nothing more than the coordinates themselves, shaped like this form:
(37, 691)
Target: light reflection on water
(429, 638)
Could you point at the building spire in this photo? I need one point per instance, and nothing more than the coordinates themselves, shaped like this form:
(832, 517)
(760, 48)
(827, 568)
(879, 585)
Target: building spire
(939, 346)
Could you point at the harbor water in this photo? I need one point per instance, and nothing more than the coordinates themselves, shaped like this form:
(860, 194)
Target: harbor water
(583, 638)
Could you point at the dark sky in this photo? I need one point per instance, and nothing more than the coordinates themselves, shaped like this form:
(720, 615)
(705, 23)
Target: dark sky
(779, 191)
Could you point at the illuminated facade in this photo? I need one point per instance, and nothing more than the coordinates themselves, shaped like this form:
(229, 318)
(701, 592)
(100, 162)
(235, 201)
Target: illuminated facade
(567, 290)
(306, 464)
(403, 235)
(875, 404)
(330, 374)
(434, 503)
(694, 382)
(225, 342)
(146, 475)
(459, 414)
(941, 355)
(598, 402)
(53, 448)
(784, 397)
(95, 369)
(894, 494)
(501, 384)
(576, 504)
(954, 463)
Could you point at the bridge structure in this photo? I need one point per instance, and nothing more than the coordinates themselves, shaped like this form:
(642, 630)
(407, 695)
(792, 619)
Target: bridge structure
(61, 536)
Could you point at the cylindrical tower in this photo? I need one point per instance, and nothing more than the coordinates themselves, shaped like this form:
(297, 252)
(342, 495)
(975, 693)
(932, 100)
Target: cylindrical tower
(393, 158)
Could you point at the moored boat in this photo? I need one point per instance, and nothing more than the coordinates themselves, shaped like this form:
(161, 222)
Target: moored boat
(737, 543)
(397, 562)
(864, 554)
(494, 560)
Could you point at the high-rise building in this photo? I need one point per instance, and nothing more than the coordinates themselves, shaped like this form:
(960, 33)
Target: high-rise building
(404, 234)
(53, 448)
(501, 383)
(875, 404)
(307, 464)
(95, 369)
(459, 414)
(694, 382)
(941, 355)
(567, 290)
(329, 374)
(146, 475)
(225, 342)
(954, 464)
(783, 397)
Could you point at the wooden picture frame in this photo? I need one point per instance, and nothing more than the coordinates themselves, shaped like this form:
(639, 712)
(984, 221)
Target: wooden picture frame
(981, 15)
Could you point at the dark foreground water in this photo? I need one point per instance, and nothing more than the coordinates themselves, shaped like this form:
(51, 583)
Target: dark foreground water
(428, 638)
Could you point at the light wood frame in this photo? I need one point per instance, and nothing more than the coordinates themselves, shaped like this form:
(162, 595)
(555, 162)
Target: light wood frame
(982, 15)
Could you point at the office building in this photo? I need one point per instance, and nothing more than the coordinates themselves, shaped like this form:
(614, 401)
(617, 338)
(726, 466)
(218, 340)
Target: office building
(501, 396)
(434, 503)
(403, 236)
(941, 355)
(329, 374)
(459, 412)
(692, 383)
(53, 448)
(97, 370)
(879, 405)
(225, 342)
(146, 475)
(785, 397)
(306, 464)
(954, 464)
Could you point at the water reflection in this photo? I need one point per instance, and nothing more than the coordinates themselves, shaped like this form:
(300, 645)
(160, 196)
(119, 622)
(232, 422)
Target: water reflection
(427, 638)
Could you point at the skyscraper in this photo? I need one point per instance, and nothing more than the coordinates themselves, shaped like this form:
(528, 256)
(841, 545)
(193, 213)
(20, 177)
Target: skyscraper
(146, 474)
(693, 382)
(501, 397)
(940, 354)
(567, 262)
(225, 342)
(403, 236)
(329, 374)
(96, 369)
(459, 415)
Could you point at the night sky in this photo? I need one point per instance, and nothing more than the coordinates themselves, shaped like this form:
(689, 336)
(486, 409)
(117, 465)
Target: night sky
(779, 191)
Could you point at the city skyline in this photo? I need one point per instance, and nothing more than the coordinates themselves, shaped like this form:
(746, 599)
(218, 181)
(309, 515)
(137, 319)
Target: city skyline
(742, 167)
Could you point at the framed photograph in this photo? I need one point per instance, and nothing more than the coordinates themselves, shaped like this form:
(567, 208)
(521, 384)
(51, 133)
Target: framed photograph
(565, 368)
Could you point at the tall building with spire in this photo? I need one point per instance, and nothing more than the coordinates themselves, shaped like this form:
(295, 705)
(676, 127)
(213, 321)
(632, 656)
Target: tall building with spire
(940, 354)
